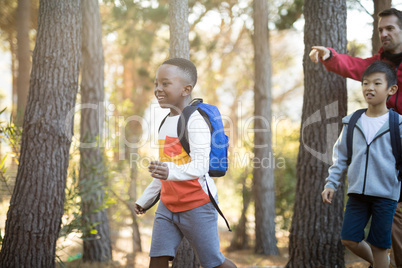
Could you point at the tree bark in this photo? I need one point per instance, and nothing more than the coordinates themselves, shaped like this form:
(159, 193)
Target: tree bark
(179, 28)
(180, 48)
(314, 239)
(36, 206)
(185, 256)
(97, 247)
(263, 172)
(379, 5)
(24, 57)
(240, 239)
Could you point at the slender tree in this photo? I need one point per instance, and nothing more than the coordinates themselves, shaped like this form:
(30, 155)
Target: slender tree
(314, 239)
(263, 176)
(180, 48)
(36, 206)
(379, 5)
(97, 247)
(24, 56)
(179, 29)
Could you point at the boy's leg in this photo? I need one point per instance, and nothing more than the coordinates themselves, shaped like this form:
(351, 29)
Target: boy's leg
(379, 237)
(227, 264)
(200, 227)
(159, 262)
(361, 249)
(357, 214)
(380, 256)
(166, 237)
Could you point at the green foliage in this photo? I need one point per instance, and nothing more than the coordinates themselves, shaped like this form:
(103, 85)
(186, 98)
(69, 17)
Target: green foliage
(285, 176)
(79, 191)
(72, 221)
(11, 136)
(288, 12)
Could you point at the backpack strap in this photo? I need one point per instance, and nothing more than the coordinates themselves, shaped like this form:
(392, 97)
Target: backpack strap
(182, 131)
(349, 135)
(154, 202)
(195, 101)
(216, 205)
(163, 121)
(395, 140)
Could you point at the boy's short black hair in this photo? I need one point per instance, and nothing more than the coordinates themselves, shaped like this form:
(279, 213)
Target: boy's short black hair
(186, 66)
(392, 11)
(382, 67)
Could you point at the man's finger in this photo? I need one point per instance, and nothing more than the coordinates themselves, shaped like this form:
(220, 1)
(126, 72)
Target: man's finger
(314, 55)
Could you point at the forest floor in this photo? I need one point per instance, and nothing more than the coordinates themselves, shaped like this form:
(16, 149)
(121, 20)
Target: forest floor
(242, 258)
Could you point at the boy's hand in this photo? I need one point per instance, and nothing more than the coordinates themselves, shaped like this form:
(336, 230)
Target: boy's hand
(319, 51)
(327, 195)
(158, 170)
(139, 210)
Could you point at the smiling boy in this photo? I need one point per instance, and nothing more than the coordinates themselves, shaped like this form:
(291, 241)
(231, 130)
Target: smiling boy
(373, 186)
(185, 209)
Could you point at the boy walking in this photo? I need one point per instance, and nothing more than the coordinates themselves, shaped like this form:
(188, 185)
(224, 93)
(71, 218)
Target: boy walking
(180, 178)
(373, 186)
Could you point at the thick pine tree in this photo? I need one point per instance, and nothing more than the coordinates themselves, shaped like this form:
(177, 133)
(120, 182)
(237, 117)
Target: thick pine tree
(37, 203)
(314, 239)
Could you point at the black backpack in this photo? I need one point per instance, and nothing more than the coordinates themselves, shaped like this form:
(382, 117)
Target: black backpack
(395, 139)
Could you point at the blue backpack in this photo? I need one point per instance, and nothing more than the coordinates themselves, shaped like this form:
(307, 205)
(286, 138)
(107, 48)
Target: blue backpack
(395, 139)
(218, 157)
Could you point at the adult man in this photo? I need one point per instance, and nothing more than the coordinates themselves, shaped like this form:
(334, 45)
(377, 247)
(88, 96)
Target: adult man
(390, 32)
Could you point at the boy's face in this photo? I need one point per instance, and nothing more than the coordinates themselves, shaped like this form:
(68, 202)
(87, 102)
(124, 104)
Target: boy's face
(375, 89)
(171, 88)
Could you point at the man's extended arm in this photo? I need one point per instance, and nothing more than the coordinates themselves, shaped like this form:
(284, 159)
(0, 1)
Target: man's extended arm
(342, 64)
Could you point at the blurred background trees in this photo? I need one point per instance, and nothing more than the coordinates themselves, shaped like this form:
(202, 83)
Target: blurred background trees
(92, 173)
(136, 39)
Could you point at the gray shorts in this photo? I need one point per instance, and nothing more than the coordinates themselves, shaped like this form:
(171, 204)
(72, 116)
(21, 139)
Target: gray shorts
(198, 225)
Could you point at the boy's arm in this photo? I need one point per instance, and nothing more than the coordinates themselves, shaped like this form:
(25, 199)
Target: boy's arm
(150, 194)
(199, 139)
(339, 160)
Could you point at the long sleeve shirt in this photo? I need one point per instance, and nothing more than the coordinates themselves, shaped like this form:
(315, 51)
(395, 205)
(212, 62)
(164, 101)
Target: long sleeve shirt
(185, 187)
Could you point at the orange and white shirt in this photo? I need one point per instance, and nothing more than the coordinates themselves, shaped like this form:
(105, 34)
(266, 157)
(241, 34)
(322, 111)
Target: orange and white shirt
(185, 187)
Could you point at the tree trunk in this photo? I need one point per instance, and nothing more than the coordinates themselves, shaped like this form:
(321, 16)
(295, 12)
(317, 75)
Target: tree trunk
(314, 239)
(133, 132)
(240, 238)
(180, 48)
(36, 206)
(24, 57)
(14, 66)
(178, 17)
(132, 192)
(379, 5)
(185, 256)
(263, 173)
(97, 247)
